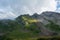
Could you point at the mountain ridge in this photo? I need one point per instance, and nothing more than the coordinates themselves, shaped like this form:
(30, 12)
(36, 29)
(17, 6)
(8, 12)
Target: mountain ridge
(45, 24)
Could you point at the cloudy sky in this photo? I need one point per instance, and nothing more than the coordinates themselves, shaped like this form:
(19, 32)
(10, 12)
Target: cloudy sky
(10, 9)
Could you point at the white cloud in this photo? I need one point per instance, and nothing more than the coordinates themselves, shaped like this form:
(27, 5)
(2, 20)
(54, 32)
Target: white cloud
(2, 16)
(14, 8)
(6, 13)
(41, 5)
(58, 6)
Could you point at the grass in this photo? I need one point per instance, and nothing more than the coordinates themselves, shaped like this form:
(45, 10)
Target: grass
(40, 38)
(26, 37)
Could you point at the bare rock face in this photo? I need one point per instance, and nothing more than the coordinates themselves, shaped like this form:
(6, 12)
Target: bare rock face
(53, 16)
(46, 18)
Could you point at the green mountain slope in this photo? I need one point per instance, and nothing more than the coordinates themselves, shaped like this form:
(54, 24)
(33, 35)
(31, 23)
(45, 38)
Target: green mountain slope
(26, 26)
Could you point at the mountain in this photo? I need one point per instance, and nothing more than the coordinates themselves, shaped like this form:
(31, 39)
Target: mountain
(53, 16)
(45, 24)
(50, 20)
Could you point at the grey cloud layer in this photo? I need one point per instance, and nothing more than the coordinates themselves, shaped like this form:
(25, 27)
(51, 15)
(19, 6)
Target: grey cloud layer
(13, 8)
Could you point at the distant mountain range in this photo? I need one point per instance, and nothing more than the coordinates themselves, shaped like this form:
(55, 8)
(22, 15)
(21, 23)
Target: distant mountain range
(47, 23)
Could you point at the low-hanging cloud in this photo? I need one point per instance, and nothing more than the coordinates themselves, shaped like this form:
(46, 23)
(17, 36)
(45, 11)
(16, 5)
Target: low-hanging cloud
(13, 8)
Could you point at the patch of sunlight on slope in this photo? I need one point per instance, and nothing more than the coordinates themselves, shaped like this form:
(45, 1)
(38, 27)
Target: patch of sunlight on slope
(30, 20)
(24, 18)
